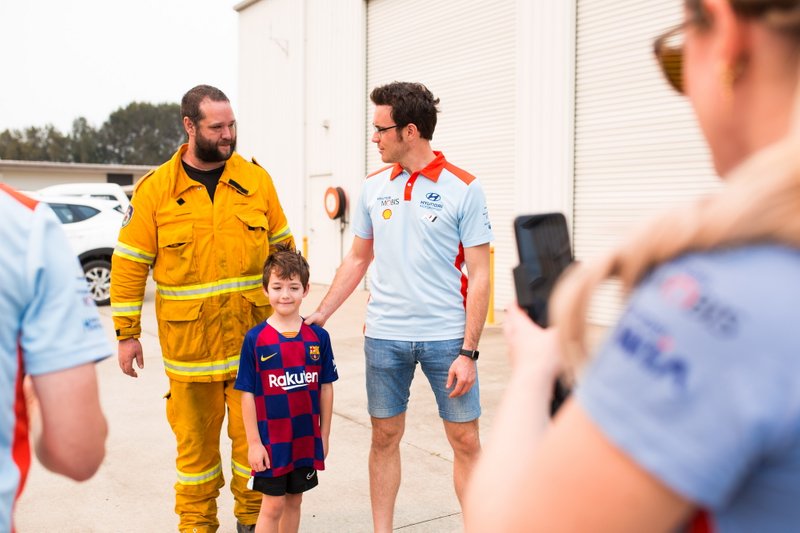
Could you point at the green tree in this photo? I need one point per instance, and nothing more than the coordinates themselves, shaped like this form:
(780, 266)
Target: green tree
(54, 145)
(85, 143)
(35, 144)
(142, 133)
(138, 134)
(11, 144)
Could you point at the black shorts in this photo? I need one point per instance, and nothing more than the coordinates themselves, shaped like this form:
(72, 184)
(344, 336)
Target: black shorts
(297, 481)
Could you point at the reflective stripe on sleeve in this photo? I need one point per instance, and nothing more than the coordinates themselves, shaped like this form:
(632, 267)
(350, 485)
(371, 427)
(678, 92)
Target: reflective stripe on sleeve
(281, 235)
(134, 254)
(126, 308)
(210, 368)
(185, 478)
(204, 290)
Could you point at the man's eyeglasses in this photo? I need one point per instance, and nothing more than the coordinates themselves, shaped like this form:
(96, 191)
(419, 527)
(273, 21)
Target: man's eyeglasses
(668, 48)
(379, 130)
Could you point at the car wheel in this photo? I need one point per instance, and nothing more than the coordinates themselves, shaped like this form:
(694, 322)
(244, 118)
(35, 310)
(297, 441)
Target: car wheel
(98, 277)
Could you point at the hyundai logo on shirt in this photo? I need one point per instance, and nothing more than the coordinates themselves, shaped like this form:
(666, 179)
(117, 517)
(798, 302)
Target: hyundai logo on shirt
(432, 201)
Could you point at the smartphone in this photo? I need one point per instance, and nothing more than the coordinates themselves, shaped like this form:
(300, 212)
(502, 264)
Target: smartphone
(544, 253)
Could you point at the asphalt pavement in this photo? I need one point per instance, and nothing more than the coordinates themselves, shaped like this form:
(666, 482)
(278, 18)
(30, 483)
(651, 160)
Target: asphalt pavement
(133, 490)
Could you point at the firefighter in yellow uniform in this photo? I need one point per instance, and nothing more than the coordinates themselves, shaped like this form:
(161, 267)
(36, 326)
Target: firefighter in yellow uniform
(205, 221)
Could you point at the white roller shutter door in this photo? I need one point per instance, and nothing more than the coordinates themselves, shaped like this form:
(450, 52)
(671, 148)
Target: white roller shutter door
(463, 51)
(637, 147)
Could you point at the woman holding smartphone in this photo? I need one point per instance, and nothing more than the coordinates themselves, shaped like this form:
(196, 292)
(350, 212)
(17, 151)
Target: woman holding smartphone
(688, 416)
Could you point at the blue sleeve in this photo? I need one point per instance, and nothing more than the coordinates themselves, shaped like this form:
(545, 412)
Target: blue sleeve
(691, 384)
(246, 376)
(362, 223)
(474, 227)
(329, 373)
(61, 327)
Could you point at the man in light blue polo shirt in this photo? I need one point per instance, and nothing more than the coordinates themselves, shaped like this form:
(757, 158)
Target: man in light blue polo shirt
(418, 223)
(49, 330)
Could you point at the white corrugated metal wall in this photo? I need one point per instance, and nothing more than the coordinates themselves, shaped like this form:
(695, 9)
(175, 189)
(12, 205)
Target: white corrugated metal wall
(271, 100)
(334, 101)
(545, 106)
(464, 52)
(504, 71)
(637, 147)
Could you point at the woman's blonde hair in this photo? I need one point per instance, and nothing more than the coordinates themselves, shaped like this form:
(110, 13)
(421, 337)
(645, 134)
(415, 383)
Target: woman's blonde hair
(760, 203)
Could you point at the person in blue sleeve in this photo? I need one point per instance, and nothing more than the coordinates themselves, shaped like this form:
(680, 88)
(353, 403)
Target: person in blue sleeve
(688, 416)
(50, 340)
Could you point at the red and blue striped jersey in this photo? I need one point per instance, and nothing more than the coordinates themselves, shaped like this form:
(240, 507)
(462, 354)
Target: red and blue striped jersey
(284, 374)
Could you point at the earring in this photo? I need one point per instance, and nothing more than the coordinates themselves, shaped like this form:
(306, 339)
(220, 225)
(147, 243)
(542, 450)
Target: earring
(727, 78)
(729, 75)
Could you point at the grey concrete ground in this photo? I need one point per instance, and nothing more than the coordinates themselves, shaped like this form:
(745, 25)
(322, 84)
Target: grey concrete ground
(133, 491)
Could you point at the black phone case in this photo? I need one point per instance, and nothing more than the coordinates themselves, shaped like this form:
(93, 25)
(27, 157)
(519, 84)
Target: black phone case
(544, 253)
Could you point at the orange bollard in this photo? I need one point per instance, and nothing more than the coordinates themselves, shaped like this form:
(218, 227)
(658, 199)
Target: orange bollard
(490, 314)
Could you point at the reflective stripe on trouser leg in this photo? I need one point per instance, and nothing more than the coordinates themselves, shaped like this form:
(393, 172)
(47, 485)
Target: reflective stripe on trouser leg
(247, 503)
(195, 412)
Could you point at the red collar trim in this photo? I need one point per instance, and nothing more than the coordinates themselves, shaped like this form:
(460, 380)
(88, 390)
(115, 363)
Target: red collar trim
(432, 171)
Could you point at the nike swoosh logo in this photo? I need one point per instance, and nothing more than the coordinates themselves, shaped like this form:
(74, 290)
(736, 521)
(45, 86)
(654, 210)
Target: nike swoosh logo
(268, 357)
(309, 476)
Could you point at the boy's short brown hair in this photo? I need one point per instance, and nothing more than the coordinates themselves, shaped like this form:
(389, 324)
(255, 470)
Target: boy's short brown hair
(286, 262)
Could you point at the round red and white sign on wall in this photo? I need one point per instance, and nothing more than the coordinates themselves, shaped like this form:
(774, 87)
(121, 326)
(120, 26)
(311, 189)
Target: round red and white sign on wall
(335, 202)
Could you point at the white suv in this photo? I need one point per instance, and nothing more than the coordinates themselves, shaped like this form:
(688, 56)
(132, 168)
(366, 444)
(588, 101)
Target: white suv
(99, 190)
(92, 228)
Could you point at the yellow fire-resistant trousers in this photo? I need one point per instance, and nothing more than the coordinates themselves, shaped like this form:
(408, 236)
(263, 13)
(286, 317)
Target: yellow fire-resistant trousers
(196, 411)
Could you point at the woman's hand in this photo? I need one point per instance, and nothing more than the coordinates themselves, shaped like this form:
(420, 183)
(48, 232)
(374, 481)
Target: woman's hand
(533, 350)
(520, 421)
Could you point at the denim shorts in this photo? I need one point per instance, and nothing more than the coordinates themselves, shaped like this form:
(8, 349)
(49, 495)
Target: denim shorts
(390, 369)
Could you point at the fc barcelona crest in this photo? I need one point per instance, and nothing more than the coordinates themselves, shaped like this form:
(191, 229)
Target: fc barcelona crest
(313, 351)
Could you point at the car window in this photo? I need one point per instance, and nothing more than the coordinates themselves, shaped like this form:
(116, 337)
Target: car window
(63, 213)
(69, 213)
(82, 212)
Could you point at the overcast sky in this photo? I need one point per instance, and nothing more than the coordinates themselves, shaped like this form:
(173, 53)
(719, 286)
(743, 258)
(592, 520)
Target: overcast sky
(63, 59)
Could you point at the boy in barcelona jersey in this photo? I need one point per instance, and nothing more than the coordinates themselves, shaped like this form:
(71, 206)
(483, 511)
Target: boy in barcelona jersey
(286, 375)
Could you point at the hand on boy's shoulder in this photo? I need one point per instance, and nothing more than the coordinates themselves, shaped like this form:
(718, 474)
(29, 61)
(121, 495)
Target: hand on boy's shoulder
(316, 318)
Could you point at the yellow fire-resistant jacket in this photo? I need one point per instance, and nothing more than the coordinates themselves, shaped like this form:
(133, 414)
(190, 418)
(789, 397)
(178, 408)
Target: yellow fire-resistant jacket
(207, 261)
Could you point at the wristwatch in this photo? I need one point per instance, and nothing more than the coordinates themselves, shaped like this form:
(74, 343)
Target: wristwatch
(472, 354)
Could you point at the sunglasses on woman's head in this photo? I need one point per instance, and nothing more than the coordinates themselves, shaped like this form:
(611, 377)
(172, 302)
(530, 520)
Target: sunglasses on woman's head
(668, 48)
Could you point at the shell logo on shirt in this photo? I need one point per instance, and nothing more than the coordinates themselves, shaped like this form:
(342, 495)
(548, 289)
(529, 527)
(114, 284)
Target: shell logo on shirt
(387, 214)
